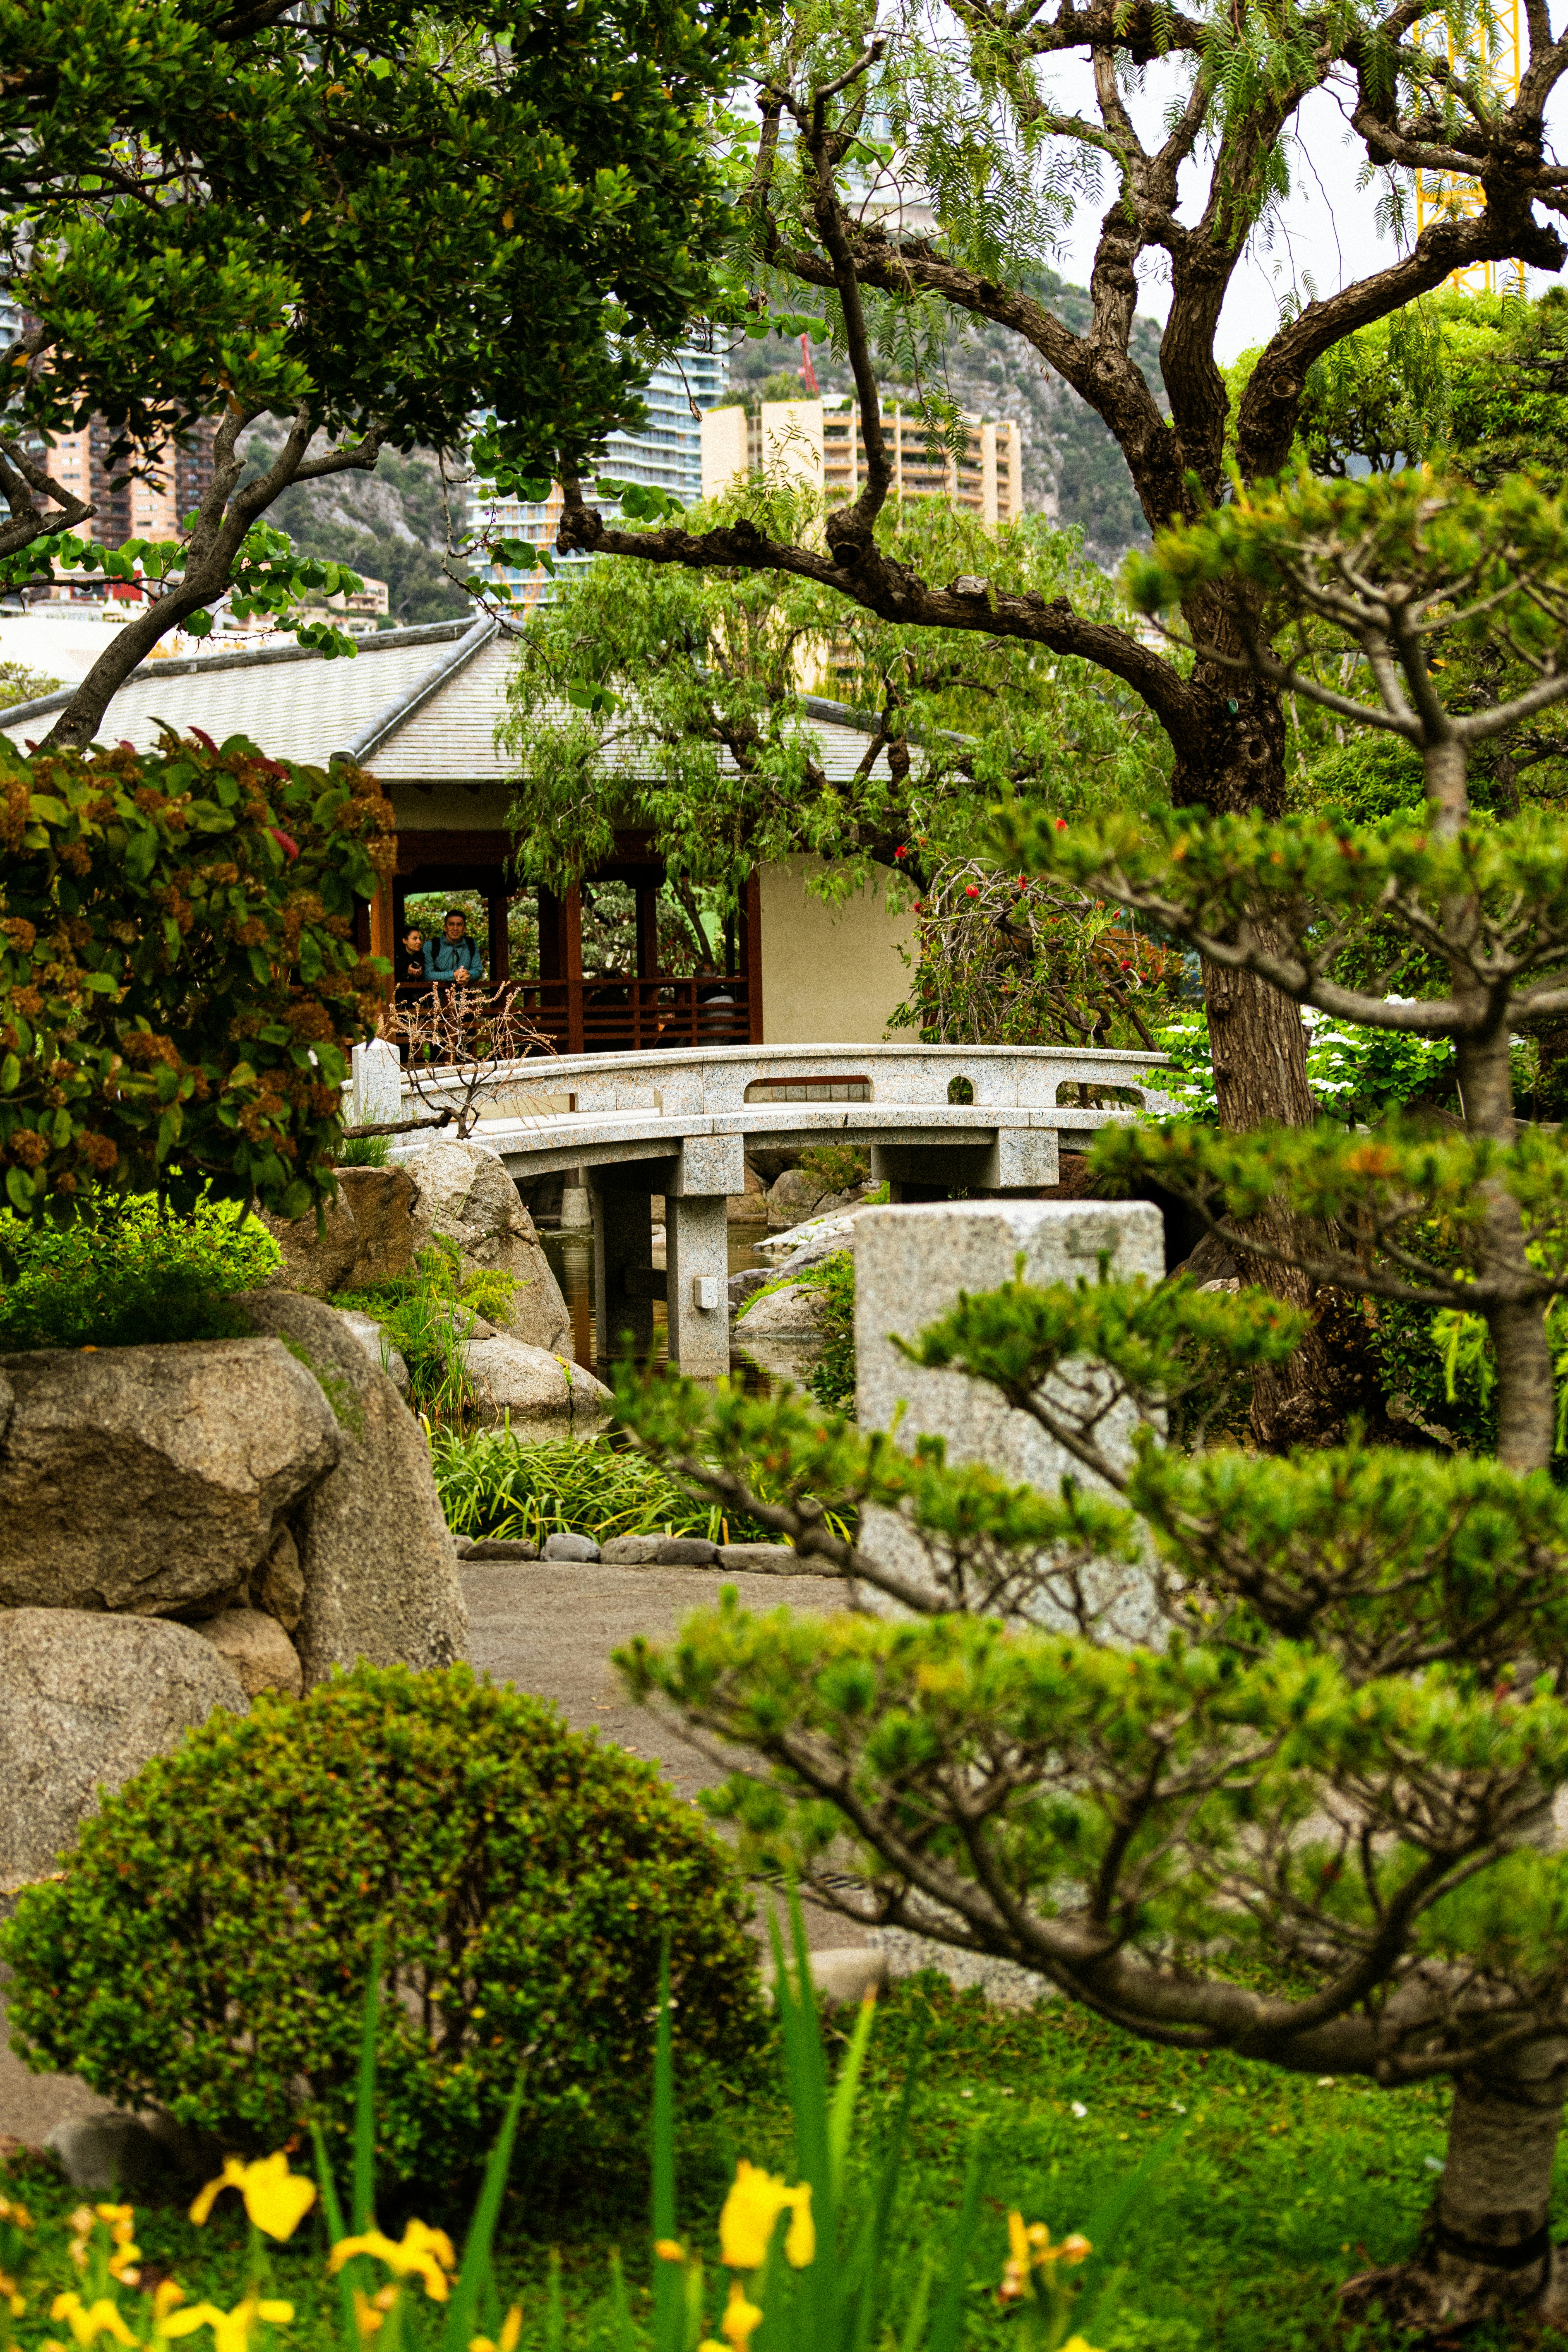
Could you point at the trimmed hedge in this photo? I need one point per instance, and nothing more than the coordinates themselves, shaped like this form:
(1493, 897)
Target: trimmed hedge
(208, 1945)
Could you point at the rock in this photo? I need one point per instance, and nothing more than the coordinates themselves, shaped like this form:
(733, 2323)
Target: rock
(380, 1575)
(86, 1699)
(465, 1195)
(380, 1201)
(257, 1649)
(813, 1234)
(145, 2156)
(748, 1209)
(529, 1384)
(794, 1196)
(279, 1588)
(773, 1560)
(378, 1347)
(845, 1974)
(569, 1548)
(153, 1479)
(315, 1262)
(659, 1551)
(750, 1278)
(789, 1313)
(501, 1548)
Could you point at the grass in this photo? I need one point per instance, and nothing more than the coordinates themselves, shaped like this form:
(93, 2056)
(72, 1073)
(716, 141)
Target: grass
(493, 1483)
(1274, 2190)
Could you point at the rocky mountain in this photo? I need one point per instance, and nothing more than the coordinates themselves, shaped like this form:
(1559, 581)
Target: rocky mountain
(991, 372)
(391, 524)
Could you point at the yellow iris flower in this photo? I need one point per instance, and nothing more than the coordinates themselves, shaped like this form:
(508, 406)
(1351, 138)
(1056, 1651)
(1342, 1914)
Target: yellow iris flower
(276, 2198)
(87, 2322)
(231, 2329)
(424, 2252)
(742, 2319)
(755, 2201)
(511, 2328)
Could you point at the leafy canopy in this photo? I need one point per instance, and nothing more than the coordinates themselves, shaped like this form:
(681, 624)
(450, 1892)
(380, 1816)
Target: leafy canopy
(179, 987)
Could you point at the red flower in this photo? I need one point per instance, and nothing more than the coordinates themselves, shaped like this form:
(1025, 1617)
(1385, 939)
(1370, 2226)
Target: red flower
(900, 852)
(971, 890)
(289, 849)
(1061, 825)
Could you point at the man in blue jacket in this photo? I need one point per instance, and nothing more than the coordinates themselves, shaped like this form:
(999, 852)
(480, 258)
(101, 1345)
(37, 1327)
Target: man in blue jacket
(454, 957)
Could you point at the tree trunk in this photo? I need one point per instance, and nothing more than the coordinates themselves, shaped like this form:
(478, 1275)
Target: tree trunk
(1257, 1042)
(1484, 2250)
(1525, 1394)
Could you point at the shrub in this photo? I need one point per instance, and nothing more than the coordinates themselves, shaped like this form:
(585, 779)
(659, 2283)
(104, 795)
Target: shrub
(364, 1151)
(209, 1943)
(494, 1482)
(179, 985)
(837, 1167)
(134, 1277)
(831, 1379)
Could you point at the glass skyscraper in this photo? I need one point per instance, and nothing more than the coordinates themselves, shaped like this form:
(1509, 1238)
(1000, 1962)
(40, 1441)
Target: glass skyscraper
(666, 454)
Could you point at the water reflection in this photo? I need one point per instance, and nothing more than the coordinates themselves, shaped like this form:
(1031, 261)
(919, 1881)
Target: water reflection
(571, 1256)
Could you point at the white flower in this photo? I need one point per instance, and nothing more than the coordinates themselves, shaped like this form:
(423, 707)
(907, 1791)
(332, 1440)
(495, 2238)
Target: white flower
(1079, 2108)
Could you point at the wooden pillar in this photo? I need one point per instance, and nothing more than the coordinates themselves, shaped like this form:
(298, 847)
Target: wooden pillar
(500, 957)
(752, 954)
(572, 966)
(647, 930)
(383, 937)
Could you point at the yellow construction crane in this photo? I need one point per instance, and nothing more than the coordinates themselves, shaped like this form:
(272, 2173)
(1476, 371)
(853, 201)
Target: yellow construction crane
(1489, 57)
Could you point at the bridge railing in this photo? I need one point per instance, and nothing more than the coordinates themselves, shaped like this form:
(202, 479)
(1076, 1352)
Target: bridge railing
(702, 1081)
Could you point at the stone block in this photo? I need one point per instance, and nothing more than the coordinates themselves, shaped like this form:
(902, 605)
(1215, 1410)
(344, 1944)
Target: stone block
(153, 1479)
(372, 1339)
(316, 1260)
(86, 1699)
(912, 1263)
(376, 1085)
(494, 1548)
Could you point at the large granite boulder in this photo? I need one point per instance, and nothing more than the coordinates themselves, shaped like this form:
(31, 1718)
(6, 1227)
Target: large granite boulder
(381, 1202)
(513, 1382)
(466, 1196)
(316, 1260)
(379, 1571)
(152, 1480)
(86, 1700)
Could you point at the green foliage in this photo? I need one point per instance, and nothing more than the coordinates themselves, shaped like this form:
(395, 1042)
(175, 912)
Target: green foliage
(514, 1877)
(837, 1167)
(178, 983)
(426, 1313)
(364, 1151)
(493, 1483)
(702, 672)
(1356, 1075)
(20, 683)
(1002, 961)
(567, 195)
(135, 1276)
(831, 1379)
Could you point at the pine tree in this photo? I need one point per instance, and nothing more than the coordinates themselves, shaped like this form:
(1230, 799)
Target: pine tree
(1339, 1749)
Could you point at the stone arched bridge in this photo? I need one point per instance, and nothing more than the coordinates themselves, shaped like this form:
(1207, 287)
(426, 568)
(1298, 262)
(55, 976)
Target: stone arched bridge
(677, 1124)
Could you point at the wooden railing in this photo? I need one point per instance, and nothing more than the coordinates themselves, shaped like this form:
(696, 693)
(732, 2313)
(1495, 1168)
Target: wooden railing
(632, 1016)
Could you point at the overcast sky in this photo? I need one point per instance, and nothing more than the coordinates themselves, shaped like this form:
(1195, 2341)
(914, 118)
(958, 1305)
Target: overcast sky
(1327, 233)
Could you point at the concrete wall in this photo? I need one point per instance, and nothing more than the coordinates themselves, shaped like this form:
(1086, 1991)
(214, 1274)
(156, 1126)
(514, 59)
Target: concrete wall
(831, 975)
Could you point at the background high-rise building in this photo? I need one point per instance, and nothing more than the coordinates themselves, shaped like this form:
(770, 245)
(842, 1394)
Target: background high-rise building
(666, 454)
(819, 442)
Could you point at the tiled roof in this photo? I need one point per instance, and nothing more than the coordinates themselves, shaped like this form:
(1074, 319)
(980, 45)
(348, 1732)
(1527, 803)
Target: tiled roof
(415, 705)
